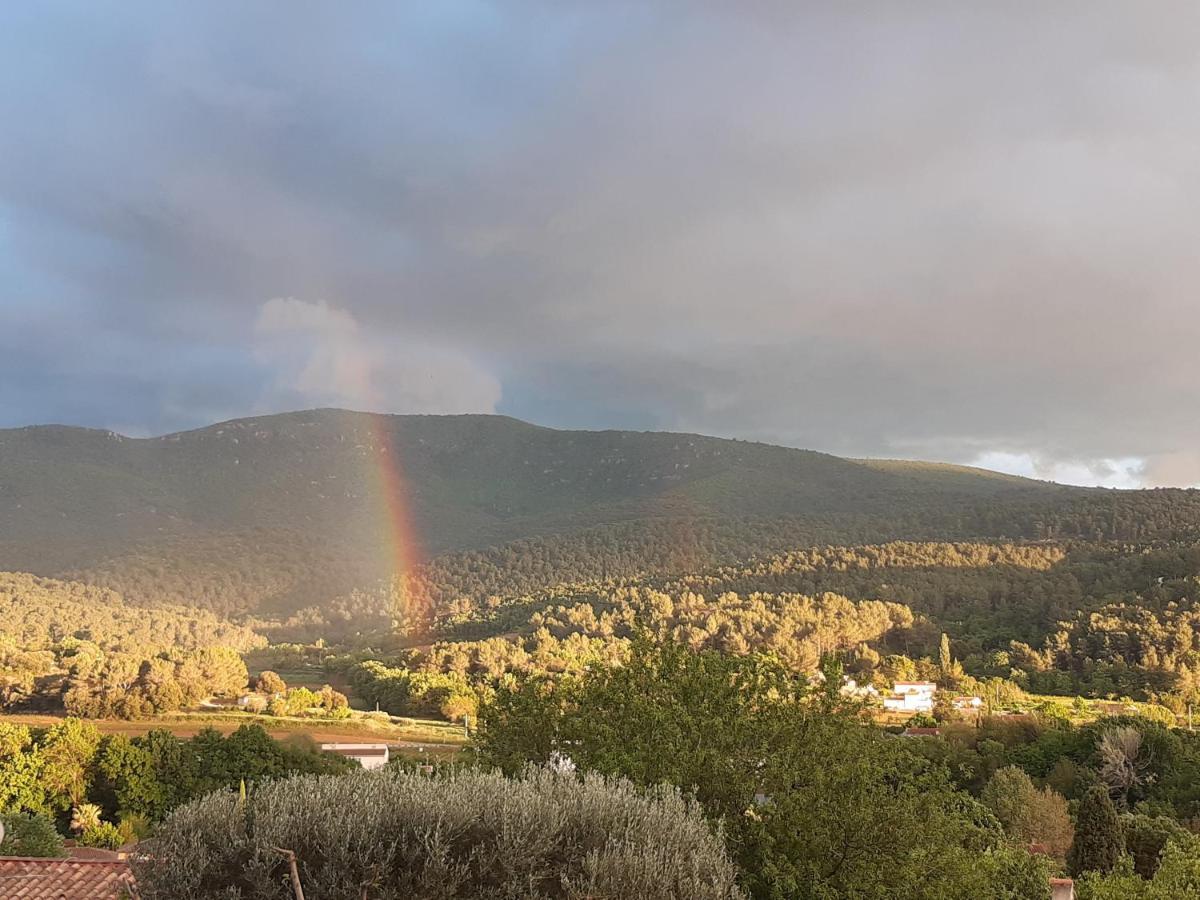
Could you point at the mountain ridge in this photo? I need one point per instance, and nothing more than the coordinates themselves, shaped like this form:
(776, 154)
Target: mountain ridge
(297, 507)
(243, 421)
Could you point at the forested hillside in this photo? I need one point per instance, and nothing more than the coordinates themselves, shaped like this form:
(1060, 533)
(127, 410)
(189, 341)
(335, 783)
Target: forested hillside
(287, 514)
(43, 611)
(1098, 620)
(82, 647)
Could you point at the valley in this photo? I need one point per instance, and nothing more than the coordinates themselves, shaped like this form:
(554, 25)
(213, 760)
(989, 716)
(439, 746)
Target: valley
(452, 587)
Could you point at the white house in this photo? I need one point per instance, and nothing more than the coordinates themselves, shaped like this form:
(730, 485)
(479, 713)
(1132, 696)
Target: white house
(911, 696)
(968, 704)
(369, 756)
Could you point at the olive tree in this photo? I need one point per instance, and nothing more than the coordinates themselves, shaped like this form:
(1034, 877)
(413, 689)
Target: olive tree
(389, 835)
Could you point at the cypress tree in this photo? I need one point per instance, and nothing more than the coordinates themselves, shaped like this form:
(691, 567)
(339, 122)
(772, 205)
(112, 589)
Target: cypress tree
(1099, 840)
(945, 660)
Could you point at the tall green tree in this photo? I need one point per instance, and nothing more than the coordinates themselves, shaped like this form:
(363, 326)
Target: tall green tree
(126, 781)
(1147, 836)
(67, 749)
(1099, 840)
(174, 765)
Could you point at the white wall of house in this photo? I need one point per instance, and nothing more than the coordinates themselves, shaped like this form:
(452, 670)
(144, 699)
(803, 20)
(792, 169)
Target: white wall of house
(911, 697)
(369, 756)
(909, 703)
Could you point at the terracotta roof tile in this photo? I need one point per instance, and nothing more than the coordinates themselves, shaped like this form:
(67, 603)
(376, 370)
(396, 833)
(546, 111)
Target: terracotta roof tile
(23, 878)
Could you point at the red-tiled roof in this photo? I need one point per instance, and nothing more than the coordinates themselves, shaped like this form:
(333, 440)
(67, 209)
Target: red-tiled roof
(23, 878)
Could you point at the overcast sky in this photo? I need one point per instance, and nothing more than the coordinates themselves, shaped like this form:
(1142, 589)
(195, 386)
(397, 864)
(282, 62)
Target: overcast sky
(954, 231)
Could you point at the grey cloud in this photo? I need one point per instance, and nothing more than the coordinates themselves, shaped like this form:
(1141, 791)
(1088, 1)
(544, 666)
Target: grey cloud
(915, 229)
(321, 357)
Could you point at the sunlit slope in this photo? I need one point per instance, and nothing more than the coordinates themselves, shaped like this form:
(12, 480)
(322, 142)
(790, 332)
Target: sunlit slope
(290, 506)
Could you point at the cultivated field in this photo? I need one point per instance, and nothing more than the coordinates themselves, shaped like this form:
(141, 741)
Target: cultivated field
(422, 737)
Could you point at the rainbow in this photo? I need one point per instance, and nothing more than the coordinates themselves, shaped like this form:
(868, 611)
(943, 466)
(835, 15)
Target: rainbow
(402, 547)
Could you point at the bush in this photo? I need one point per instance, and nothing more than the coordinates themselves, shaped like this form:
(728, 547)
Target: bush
(1015, 874)
(1122, 883)
(104, 835)
(270, 683)
(470, 834)
(1177, 878)
(133, 828)
(1146, 837)
(1156, 713)
(30, 835)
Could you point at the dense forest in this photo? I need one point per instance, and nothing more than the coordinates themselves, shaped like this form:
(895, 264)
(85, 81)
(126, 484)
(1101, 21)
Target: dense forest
(41, 611)
(81, 648)
(1099, 620)
(1095, 620)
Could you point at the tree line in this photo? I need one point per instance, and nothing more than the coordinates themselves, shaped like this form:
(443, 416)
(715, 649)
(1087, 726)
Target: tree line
(123, 786)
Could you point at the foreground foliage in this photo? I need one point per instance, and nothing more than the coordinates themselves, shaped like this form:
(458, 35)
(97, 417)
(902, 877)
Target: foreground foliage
(71, 773)
(1177, 877)
(30, 835)
(402, 836)
(816, 803)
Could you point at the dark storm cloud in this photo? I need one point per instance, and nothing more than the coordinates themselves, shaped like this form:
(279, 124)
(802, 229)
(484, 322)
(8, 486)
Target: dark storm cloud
(957, 231)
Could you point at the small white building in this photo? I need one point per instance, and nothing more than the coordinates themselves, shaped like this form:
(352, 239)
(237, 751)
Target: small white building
(911, 696)
(369, 756)
(968, 704)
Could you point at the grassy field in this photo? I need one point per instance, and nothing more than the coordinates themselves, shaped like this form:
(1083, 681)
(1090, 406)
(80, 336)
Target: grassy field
(300, 675)
(422, 736)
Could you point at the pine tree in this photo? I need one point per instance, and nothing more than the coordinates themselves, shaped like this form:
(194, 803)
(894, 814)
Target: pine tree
(945, 660)
(1099, 841)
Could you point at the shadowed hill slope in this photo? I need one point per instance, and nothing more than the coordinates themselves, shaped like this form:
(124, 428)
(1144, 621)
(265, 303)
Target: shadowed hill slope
(276, 512)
